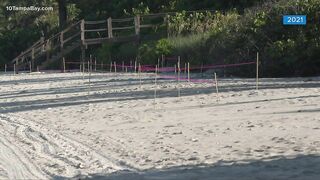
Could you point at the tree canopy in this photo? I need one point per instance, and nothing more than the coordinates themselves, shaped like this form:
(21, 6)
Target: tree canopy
(233, 30)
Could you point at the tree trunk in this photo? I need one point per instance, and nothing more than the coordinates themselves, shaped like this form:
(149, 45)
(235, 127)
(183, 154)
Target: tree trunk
(62, 13)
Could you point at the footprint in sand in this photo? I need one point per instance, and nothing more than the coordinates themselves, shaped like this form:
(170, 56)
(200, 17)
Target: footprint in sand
(210, 131)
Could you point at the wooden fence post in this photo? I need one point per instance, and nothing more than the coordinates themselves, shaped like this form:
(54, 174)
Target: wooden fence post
(110, 66)
(109, 21)
(137, 24)
(61, 41)
(83, 48)
(5, 68)
(82, 28)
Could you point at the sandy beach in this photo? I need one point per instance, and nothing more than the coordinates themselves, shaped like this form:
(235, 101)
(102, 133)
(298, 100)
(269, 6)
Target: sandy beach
(111, 126)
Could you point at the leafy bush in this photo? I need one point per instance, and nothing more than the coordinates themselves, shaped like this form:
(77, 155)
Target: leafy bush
(232, 38)
(163, 47)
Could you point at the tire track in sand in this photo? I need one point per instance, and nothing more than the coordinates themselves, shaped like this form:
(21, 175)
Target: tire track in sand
(14, 163)
(32, 151)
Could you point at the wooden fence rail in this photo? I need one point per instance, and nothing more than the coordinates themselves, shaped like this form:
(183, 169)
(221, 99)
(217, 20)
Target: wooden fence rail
(59, 40)
(109, 31)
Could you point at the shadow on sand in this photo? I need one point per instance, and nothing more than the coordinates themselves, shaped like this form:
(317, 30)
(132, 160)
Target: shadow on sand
(134, 93)
(303, 167)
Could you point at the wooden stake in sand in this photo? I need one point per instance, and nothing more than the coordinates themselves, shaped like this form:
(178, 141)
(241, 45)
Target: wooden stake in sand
(216, 84)
(95, 64)
(122, 66)
(80, 62)
(188, 72)
(82, 70)
(101, 66)
(89, 89)
(14, 69)
(30, 67)
(90, 70)
(110, 66)
(175, 69)
(139, 73)
(178, 76)
(135, 66)
(5, 68)
(257, 72)
(88, 66)
(64, 64)
(17, 68)
(38, 69)
(115, 67)
(155, 84)
(91, 64)
(185, 69)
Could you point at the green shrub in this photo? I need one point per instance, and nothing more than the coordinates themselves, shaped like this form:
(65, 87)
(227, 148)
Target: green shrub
(163, 47)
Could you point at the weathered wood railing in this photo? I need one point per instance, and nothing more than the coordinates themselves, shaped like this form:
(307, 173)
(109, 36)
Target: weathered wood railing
(81, 32)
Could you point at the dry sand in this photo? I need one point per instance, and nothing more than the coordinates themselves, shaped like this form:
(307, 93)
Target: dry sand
(61, 126)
